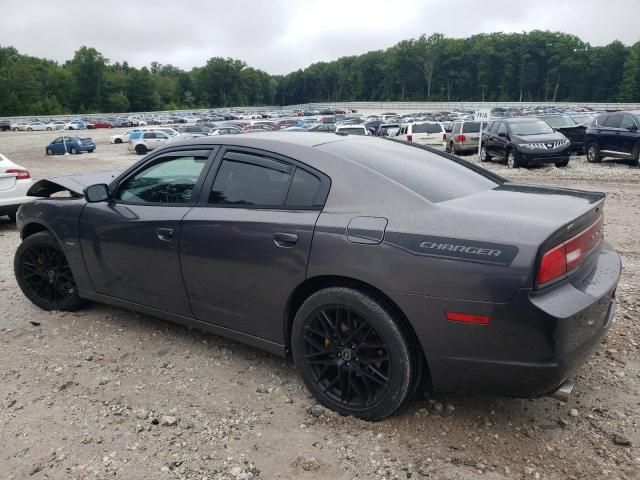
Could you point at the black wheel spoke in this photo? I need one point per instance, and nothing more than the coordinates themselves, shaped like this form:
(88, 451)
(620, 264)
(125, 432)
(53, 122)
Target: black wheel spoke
(47, 274)
(349, 361)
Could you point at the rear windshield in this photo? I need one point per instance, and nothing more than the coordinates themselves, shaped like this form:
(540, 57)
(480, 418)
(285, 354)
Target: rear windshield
(352, 131)
(531, 127)
(433, 177)
(427, 128)
(471, 127)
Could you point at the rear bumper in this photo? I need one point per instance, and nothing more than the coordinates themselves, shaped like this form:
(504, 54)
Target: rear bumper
(531, 345)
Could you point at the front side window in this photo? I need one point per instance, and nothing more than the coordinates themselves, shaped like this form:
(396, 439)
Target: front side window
(502, 129)
(172, 180)
(627, 122)
(245, 179)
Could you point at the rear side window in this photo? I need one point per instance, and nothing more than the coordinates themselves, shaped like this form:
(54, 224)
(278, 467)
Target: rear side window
(245, 179)
(427, 128)
(613, 121)
(628, 122)
(456, 128)
(304, 189)
(471, 127)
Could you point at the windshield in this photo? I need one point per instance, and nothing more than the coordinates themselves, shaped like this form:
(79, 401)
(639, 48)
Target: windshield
(532, 127)
(471, 127)
(560, 121)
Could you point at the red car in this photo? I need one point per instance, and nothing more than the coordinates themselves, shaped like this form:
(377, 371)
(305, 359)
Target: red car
(103, 124)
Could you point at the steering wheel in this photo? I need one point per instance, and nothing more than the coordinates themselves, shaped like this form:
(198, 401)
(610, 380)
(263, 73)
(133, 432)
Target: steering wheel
(179, 190)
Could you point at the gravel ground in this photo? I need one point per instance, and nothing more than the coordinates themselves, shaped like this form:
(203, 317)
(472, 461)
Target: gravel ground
(106, 393)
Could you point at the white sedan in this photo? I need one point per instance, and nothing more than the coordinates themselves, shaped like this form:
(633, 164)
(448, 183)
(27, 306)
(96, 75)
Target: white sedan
(122, 137)
(35, 127)
(14, 183)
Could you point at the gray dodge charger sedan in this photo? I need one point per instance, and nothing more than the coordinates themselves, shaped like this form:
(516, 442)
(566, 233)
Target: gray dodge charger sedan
(379, 266)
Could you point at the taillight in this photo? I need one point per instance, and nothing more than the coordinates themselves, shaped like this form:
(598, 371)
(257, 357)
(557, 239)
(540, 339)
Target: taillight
(460, 138)
(568, 256)
(21, 173)
(409, 138)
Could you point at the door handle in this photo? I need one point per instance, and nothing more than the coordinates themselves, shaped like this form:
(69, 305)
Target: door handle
(285, 240)
(165, 234)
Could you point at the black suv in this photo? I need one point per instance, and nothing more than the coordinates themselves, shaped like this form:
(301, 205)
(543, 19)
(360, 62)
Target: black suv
(524, 141)
(614, 135)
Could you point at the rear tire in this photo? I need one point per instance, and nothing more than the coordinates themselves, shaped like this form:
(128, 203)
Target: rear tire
(141, 149)
(333, 338)
(593, 153)
(73, 151)
(44, 275)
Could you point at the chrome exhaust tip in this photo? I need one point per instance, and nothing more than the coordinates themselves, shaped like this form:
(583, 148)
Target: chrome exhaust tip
(563, 393)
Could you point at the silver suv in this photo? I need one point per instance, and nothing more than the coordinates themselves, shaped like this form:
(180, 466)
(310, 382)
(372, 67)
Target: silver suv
(463, 137)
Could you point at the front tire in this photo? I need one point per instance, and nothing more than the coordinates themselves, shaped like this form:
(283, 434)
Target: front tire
(562, 164)
(118, 140)
(352, 353)
(512, 159)
(635, 158)
(44, 275)
(49, 151)
(484, 155)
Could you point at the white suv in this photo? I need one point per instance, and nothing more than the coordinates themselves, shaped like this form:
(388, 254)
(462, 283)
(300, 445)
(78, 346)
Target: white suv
(147, 140)
(424, 133)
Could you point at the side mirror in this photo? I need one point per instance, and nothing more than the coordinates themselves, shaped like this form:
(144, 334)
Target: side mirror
(97, 193)
(633, 128)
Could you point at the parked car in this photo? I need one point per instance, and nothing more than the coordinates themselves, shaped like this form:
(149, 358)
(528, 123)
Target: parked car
(184, 136)
(102, 124)
(21, 125)
(226, 131)
(73, 145)
(15, 181)
(351, 129)
(387, 129)
(4, 125)
(614, 135)
(423, 133)
(122, 137)
(368, 297)
(148, 140)
(75, 125)
(35, 127)
(322, 127)
(195, 129)
(56, 125)
(566, 125)
(524, 141)
(463, 138)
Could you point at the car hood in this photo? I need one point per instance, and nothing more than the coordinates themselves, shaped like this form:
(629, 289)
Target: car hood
(73, 183)
(547, 137)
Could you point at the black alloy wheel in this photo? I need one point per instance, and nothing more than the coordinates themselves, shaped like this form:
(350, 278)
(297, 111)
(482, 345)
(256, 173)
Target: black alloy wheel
(352, 354)
(44, 274)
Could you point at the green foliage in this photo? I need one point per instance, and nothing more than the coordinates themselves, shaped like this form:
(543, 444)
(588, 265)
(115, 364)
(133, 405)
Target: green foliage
(533, 66)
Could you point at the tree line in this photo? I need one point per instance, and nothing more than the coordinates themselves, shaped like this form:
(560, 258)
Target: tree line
(535, 66)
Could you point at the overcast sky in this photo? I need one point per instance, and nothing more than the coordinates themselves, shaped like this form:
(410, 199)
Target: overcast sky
(280, 36)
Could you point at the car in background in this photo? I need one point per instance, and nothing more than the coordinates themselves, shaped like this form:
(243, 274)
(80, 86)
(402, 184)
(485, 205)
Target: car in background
(35, 127)
(387, 129)
(352, 130)
(463, 138)
(614, 135)
(226, 131)
(102, 124)
(15, 181)
(422, 133)
(566, 125)
(72, 145)
(524, 141)
(122, 137)
(202, 129)
(146, 141)
(56, 125)
(15, 126)
(184, 136)
(322, 127)
(75, 125)
(4, 125)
